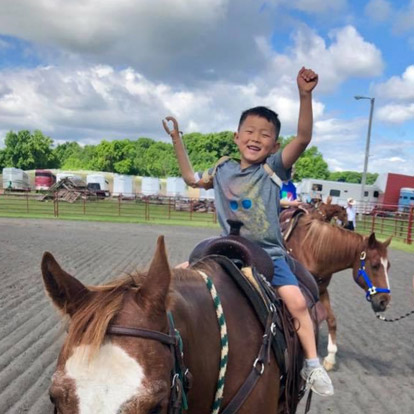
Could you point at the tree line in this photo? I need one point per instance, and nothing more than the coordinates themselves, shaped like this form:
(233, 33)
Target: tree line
(147, 157)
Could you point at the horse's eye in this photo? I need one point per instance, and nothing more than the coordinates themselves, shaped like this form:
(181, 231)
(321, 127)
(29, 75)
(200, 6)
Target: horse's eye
(376, 266)
(155, 410)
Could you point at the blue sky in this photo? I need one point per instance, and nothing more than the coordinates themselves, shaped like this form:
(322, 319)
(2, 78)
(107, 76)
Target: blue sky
(88, 70)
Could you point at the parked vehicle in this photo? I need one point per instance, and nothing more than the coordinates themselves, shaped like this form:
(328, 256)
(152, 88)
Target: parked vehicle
(44, 179)
(98, 183)
(15, 179)
(311, 188)
(406, 200)
(390, 185)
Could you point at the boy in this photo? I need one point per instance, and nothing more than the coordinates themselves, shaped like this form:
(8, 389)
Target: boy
(244, 191)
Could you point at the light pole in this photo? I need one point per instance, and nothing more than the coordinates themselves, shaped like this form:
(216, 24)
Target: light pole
(364, 174)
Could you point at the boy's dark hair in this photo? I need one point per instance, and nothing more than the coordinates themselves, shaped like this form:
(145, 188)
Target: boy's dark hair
(263, 112)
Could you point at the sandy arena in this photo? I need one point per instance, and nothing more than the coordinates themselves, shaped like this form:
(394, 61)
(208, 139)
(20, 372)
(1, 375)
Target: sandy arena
(375, 373)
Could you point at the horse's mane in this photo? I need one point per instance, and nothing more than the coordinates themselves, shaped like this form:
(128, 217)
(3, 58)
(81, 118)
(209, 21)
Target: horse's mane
(323, 239)
(89, 323)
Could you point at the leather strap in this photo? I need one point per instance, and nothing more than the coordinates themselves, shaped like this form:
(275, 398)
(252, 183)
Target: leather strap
(141, 333)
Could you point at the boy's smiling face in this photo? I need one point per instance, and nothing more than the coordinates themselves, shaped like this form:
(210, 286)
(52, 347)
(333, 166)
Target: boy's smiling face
(256, 139)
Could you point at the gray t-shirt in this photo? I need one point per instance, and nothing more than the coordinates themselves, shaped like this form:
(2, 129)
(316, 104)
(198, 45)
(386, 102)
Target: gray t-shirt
(250, 196)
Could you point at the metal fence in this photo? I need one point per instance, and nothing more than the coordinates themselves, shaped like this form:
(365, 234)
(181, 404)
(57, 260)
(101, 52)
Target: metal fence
(386, 220)
(132, 207)
(389, 222)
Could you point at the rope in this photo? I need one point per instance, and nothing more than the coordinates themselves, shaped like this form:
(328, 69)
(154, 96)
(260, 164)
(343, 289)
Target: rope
(223, 340)
(382, 318)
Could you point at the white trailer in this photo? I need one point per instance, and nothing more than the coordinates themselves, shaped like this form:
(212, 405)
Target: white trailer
(150, 186)
(176, 187)
(15, 179)
(123, 184)
(311, 188)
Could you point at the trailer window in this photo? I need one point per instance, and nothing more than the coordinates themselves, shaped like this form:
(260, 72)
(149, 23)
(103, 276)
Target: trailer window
(317, 187)
(335, 193)
(365, 193)
(376, 194)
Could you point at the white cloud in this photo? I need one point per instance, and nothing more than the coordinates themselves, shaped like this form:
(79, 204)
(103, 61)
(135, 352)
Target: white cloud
(318, 6)
(348, 55)
(102, 102)
(378, 10)
(404, 19)
(395, 113)
(398, 88)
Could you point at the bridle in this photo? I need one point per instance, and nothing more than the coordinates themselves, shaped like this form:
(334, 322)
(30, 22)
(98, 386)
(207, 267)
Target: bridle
(372, 290)
(180, 375)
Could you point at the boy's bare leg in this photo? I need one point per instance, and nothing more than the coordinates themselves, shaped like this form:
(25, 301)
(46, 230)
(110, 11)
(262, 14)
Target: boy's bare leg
(315, 375)
(296, 304)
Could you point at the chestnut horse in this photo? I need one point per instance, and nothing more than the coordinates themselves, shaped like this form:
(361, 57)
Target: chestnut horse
(117, 355)
(325, 249)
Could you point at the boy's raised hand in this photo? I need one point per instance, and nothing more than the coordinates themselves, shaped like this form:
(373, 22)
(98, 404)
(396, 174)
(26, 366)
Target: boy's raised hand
(307, 80)
(175, 133)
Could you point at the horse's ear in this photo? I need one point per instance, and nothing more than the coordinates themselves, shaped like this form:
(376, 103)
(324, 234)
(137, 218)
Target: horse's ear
(65, 291)
(153, 292)
(387, 242)
(329, 200)
(372, 240)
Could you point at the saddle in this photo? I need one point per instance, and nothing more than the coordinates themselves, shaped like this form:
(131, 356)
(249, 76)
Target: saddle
(289, 219)
(236, 254)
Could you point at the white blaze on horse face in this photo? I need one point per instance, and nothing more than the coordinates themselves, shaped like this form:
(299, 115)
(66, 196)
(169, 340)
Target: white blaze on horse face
(106, 381)
(384, 262)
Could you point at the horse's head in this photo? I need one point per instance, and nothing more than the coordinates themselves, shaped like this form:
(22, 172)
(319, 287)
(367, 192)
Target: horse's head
(371, 272)
(104, 373)
(333, 211)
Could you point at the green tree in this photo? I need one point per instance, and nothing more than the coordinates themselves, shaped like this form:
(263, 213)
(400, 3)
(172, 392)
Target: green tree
(67, 150)
(28, 151)
(205, 150)
(352, 177)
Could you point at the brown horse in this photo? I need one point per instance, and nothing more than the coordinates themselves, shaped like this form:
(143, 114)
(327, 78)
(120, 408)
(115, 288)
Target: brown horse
(117, 355)
(325, 249)
(328, 211)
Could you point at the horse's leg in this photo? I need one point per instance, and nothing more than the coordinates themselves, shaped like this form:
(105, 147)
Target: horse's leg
(330, 359)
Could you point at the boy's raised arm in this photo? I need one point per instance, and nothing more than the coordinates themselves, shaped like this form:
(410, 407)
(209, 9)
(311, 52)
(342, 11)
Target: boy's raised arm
(307, 79)
(181, 153)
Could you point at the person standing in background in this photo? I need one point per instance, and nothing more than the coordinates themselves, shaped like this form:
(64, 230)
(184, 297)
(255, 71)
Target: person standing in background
(351, 212)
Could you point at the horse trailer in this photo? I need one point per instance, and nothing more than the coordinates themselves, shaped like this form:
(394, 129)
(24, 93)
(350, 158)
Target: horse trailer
(311, 188)
(406, 200)
(15, 179)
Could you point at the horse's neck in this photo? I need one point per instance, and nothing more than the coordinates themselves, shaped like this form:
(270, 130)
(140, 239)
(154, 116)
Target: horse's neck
(337, 257)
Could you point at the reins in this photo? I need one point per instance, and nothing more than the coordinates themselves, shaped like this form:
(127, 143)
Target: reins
(382, 318)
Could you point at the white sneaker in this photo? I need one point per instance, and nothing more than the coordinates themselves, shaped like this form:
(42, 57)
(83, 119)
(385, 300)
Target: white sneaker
(317, 379)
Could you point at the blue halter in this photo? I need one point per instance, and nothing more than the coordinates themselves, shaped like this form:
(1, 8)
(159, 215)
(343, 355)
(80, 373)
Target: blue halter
(372, 290)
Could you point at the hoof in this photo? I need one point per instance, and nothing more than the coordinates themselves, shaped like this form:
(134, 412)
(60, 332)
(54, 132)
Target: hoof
(328, 365)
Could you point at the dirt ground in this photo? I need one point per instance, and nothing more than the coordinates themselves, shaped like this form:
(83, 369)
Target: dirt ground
(375, 371)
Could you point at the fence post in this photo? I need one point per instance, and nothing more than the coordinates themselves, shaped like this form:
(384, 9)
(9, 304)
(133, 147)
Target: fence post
(56, 205)
(373, 223)
(119, 205)
(84, 204)
(169, 208)
(191, 209)
(27, 202)
(410, 226)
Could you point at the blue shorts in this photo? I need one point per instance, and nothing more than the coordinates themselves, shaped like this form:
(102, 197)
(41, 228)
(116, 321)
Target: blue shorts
(283, 274)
